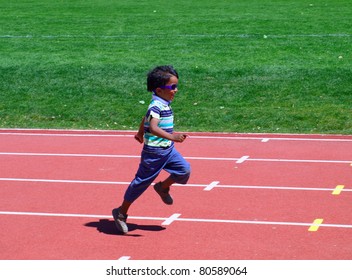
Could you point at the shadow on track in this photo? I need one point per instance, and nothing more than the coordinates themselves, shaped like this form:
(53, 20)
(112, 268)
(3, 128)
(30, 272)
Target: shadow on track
(108, 227)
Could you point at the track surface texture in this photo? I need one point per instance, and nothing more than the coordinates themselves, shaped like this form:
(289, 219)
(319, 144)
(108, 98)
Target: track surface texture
(250, 197)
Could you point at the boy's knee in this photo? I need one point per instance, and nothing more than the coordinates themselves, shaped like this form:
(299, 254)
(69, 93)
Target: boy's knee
(187, 169)
(183, 175)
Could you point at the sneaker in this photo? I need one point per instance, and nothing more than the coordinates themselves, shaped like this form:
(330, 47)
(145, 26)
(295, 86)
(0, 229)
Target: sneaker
(120, 220)
(164, 193)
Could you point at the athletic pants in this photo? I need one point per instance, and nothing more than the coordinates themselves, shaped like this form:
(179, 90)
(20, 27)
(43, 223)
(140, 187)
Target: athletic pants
(151, 165)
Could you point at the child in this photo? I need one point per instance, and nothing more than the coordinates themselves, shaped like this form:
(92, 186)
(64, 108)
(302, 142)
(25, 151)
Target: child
(159, 153)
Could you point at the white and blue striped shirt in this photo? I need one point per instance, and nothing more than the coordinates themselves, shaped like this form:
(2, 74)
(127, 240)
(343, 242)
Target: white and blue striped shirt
(161, 110)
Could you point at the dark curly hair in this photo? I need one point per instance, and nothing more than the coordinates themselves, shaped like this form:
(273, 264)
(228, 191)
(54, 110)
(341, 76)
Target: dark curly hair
(160, 76)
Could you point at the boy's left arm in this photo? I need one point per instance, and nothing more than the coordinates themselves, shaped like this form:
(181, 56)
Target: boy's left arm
(140, 134)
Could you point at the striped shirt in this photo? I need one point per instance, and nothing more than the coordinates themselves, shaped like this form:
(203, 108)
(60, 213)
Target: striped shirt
(161, 110)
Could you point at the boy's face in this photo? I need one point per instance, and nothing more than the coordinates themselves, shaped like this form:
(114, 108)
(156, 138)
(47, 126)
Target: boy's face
(168, 92)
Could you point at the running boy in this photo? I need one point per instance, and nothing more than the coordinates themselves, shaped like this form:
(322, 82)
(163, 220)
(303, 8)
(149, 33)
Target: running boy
(159, 153)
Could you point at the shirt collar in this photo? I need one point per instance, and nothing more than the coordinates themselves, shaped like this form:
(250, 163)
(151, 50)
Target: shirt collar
(162, 100)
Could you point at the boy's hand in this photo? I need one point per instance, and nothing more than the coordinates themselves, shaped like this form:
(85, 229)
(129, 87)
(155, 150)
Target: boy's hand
(139, 138)
(179, 137)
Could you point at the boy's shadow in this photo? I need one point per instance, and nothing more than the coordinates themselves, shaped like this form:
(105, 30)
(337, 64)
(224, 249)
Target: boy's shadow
(108, 227)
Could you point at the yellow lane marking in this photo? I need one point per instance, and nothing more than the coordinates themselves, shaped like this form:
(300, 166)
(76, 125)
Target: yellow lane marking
(316, 224)
(338, 189)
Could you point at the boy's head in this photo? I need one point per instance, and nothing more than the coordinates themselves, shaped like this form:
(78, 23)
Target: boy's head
(160, 76)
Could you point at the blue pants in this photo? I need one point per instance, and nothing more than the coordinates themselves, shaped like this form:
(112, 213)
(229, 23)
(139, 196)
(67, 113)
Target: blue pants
(151, 165)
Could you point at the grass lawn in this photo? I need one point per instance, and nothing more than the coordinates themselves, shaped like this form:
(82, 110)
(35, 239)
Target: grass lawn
(245, 65)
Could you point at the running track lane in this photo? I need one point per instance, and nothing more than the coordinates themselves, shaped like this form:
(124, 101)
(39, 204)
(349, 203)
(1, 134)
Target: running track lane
(250, 197)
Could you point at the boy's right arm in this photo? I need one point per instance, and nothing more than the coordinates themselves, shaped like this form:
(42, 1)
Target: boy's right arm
(157, 131)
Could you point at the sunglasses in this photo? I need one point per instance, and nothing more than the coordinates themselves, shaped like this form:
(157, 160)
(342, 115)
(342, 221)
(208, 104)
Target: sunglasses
(172, 87)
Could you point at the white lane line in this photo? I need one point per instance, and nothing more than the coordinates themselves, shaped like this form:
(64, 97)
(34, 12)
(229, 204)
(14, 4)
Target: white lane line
(54, 214)
(63, 181)
(211, 186)
(171, 219)
(261, 222)
(205, 186)
(123, 258)
(284, 188)
(68, 155)
(104, 156)
(67, 135)
(175, 217)
(242, 159)
(299, 160)
(237, 160)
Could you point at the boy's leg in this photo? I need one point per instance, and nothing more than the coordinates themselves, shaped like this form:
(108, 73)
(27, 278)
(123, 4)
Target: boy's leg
(124, 207)
(179, 170)
(166, 184)
(134, 190)
(149, 168)
(120, 220)
(163, 188)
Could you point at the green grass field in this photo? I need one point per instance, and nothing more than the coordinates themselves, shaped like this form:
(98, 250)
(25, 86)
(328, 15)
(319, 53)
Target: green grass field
(245, 65)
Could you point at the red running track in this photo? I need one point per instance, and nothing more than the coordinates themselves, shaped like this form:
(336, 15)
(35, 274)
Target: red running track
(250, 197)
